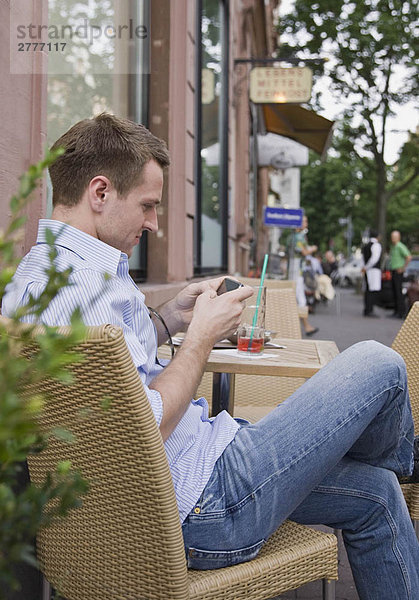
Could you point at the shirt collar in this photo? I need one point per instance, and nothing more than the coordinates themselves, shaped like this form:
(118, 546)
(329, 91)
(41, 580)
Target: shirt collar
(99, 255)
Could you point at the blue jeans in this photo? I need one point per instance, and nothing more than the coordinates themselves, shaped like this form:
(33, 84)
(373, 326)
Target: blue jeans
(328, 454)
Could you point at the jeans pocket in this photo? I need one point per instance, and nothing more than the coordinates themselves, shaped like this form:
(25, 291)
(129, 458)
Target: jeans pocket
(216, 559)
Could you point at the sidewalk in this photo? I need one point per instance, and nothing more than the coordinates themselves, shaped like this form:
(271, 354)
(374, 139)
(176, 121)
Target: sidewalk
(350, 326)
(345, 329)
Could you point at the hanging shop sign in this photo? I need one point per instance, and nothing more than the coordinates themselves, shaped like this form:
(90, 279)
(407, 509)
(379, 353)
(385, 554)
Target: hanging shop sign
(280, 85)
(280, 152)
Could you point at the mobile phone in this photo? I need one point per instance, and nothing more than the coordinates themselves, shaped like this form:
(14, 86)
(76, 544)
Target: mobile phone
(228, 285)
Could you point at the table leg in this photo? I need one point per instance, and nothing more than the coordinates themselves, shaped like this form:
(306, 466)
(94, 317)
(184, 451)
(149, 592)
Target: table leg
(222, 393)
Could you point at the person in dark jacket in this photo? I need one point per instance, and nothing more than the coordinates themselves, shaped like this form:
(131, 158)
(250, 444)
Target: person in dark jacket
(329, 264)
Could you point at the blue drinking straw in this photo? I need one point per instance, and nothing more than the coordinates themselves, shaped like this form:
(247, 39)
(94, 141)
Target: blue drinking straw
(255, 316)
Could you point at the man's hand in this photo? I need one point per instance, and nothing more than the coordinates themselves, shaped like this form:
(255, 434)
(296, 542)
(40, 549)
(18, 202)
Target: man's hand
(183, 304)
(178, 312)
(216, 317)
(404, 267)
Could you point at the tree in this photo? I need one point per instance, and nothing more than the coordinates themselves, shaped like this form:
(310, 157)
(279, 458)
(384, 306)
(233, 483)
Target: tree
(343, 186)
(335, 189)
(403, 208)
(370, 46)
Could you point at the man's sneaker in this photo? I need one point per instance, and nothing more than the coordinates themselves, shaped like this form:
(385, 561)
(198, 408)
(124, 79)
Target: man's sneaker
(414, 477)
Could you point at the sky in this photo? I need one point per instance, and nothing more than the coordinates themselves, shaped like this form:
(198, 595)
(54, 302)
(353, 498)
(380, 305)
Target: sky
(406, 119)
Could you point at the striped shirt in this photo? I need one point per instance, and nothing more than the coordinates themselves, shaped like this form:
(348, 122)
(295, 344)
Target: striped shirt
(197, 441)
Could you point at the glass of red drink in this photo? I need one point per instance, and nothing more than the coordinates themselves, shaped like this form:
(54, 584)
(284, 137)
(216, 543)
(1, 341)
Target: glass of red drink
(251, 333)
(248, 344)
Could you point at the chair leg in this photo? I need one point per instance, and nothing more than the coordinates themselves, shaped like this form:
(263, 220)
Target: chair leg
(329, 589)
(46, 589)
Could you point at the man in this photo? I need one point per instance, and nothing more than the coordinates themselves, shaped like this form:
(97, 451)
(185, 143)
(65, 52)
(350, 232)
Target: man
(399, 259)
(371, 253)
(302, 251)
(329, 454)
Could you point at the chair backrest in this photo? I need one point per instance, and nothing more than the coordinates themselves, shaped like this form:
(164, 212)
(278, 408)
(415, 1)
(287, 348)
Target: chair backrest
(276, 284)
(125, 541)
(406, 343)
(282, 313)
(280, 284)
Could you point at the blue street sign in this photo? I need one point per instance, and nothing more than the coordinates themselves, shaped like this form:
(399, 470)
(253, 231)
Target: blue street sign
(283, 217)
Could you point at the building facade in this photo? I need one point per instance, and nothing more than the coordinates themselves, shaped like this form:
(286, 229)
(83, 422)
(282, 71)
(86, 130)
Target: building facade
(180, 78)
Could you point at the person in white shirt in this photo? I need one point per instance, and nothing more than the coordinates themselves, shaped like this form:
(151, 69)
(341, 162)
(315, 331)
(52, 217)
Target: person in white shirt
(371, 253)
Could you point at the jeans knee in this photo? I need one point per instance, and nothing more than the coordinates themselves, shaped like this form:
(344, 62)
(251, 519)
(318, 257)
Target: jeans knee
(392, 504)
(384, 500)
(381, 358)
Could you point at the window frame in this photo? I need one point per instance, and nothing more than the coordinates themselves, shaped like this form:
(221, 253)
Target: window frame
(223, 123)
(139, 88)
(138, 111)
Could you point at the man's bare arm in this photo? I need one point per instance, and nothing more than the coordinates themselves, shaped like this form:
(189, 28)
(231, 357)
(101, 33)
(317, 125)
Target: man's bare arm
(178, 382)
(214, 317)
(407, 261)
(308, 250)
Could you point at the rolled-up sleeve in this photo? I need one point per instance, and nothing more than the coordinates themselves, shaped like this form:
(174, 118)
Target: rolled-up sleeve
(156, 403)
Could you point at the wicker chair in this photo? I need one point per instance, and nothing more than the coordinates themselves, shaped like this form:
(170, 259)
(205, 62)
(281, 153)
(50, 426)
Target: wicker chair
(406, 343)
(277, 284)
(126, 541)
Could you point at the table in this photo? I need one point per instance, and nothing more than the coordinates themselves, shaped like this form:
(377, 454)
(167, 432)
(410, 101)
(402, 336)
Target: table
(300, 358)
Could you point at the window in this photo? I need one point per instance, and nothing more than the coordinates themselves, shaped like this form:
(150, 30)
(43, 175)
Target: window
(212, 137)
(105, 67)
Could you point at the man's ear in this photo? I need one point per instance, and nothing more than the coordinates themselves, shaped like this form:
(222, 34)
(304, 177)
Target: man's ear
(99, 190)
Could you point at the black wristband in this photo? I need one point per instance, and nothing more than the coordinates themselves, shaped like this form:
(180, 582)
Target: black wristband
(154, 312)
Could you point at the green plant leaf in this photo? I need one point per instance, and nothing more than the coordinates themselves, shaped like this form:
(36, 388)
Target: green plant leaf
(22, 513)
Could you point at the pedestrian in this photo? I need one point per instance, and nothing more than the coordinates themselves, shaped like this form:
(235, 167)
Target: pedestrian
(302, 249)
(371, 253)
(329, 264)
(332, 453)
(315, 263)
(399, 259)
